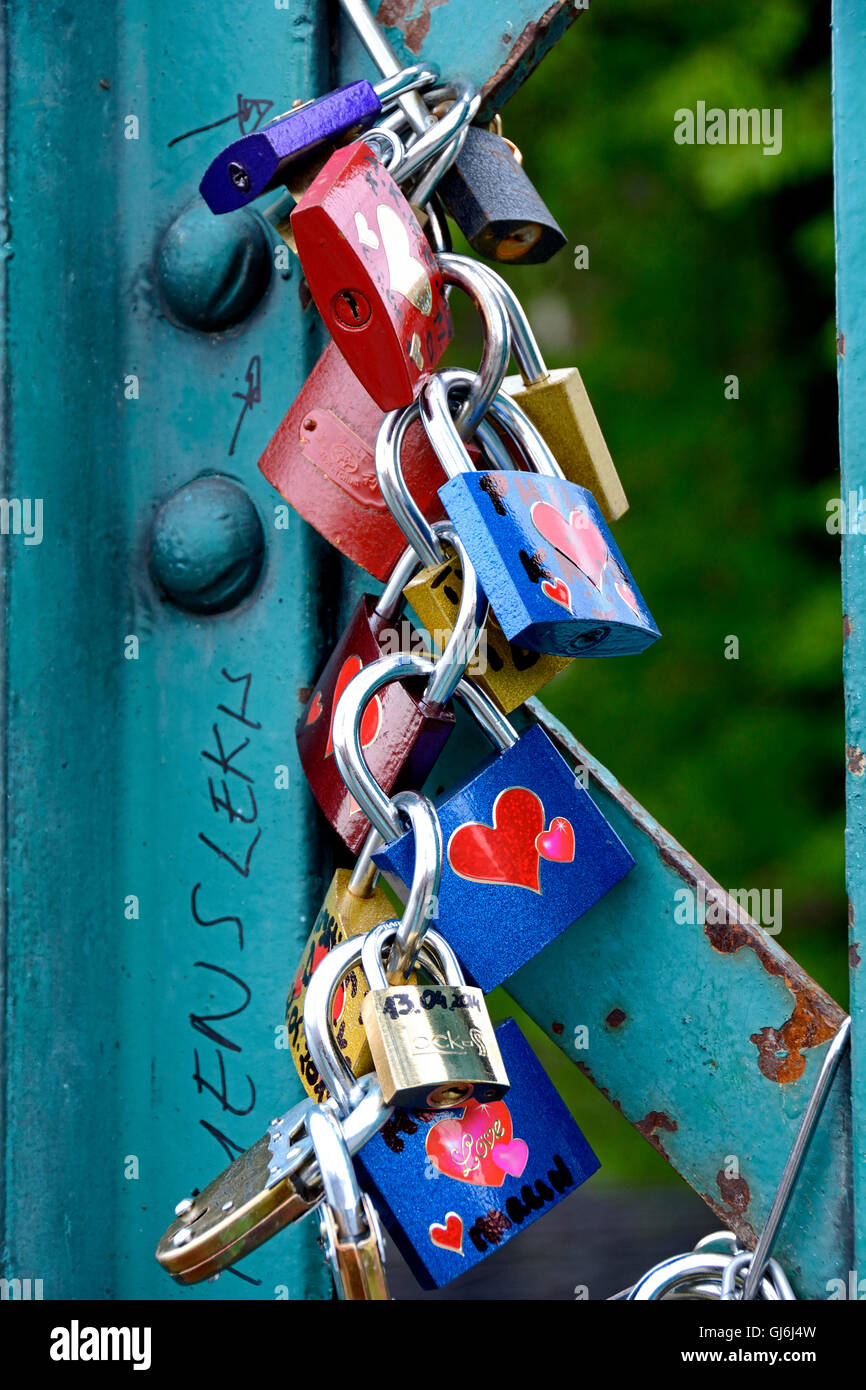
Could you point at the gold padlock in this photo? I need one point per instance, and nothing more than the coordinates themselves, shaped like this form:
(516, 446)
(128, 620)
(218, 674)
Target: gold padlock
(509, 674)
(433, 1046)
(343, 914)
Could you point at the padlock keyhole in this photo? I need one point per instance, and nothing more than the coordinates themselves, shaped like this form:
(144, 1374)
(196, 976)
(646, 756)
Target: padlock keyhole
(450, 1095)
(351, 309)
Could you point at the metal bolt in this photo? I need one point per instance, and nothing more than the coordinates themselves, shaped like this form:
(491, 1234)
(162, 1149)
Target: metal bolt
(207, 545)
(182, 1237)
(183, 1206)
(213, 271)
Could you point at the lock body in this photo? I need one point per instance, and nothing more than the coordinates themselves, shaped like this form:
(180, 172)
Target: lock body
(495, 204)
(372, 274)
(508, 673)
(266, 157)
(401, 737)
(562, 412)
(322, 461)
(527, 852)
(343, 914)
(545, 557)
(497, 1168)
(433, 1046)
(357, 1261)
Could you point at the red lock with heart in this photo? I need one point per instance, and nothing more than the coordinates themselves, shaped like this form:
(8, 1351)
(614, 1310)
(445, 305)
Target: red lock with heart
(372, 274)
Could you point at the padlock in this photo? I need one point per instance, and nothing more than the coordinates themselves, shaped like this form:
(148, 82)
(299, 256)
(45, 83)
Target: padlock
(526, 847)
(372, 275)
(701, 1275)
(555, 577)
(267, 157)
(453, 1187)
(349, 1231)
(495, 204)
(354, 904)
(404, 732)
(323, 457)
(433, 1045)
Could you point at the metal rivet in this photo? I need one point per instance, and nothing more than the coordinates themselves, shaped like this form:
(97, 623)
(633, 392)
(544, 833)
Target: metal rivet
(213, 271)
(207, 545)
(183, 1206)
(181, 1237)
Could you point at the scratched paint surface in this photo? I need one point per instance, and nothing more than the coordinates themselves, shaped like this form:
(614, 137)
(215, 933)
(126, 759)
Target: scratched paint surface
(849, 110)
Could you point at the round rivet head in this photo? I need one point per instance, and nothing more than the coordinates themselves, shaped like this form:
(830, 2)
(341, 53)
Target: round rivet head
(207, 545)
(213, 271)
(183, 1207)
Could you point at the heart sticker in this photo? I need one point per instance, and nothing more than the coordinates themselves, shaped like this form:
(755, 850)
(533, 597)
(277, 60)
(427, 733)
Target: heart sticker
(407, 275)
(450, 1235)
(505, 852)
(626, 593)
(315, 708)
(366, 235)
(511, 1158)
(462, 1147)
(557, 843)
(577, 538)
(558, 592)
(371, 722)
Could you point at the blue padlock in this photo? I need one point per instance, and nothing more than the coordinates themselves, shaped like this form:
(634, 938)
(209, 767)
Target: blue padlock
(264, 158)
(527, 851)
(453, 1187)
(544, 555)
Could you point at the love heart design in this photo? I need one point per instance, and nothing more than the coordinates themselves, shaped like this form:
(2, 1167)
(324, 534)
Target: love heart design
(406, 274)
(558, 592)
(450, 1235)
(577, 538)
(506, 851)
(371, 721)
(366, 235)
(626, 593)
(315, 708)
(511, 1158)
(557, 843)
(462, 1147)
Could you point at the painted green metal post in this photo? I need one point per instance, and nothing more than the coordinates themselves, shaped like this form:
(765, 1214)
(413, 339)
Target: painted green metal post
(849, 105)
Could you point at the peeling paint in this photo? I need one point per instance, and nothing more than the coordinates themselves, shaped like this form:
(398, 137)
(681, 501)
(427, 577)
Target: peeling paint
(557, 1028)
(735, 1191)
(651, 1123)
(854, 955)
(840, 344)
(616, 1018)
(846, 627)
(856, 759)
(732, 1219)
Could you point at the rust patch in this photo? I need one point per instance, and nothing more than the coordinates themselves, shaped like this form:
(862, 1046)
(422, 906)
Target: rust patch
(814, 1021)
(735, 1191)
(850, 913)
(414, 28)
(840, 344)
(731, 1218)
(846, 627)
(856, 759)
(853, 955)
(615, 1018)
(651, 1123)
(525, 53)
(304, 693)
(558, 1029)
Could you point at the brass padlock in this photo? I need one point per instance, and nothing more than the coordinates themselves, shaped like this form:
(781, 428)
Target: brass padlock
(433, 1046)
(349, 1230)
(508, 673)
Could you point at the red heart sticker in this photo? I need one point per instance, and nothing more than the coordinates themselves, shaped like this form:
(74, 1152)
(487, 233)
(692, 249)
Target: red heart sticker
(506, 851)
(557, 843)
(577, 538)
(462, 1147)
(371, 722)
(558, 592)
(450, 1235)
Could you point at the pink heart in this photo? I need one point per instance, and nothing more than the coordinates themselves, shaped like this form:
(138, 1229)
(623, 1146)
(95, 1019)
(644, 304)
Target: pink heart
(627, 595)
(577, 538)
(557, 843)
(558, 592)
(511, 1158)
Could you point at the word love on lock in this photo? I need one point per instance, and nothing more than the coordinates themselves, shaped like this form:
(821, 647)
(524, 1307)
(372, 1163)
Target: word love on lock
(497, 1165)
(372, 275)
(354, 904)
(267, 157)
(402, 732)
(433, 1046)
(545, 557)
(527, 851)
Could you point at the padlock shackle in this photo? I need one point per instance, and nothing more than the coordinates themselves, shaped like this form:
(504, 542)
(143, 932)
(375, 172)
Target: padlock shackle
(339, 1180)
(409, 79)
(439, 136)
(443, 435)
(352, 764)
(426, 878)
(524, 344)
(405, 569)
(468, 276)
(446, 965)
(688, 1269)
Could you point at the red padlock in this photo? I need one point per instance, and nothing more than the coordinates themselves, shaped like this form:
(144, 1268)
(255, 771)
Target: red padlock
(322, 461)
(372, 274)
(402, 733)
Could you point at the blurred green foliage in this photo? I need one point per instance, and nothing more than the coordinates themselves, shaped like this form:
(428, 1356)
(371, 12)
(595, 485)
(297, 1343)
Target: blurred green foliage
(705, 261)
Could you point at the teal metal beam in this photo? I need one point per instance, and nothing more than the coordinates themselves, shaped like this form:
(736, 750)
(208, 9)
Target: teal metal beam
(849, 121)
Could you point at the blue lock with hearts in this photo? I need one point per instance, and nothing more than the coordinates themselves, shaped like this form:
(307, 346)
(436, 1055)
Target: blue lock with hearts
(454, 1186)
